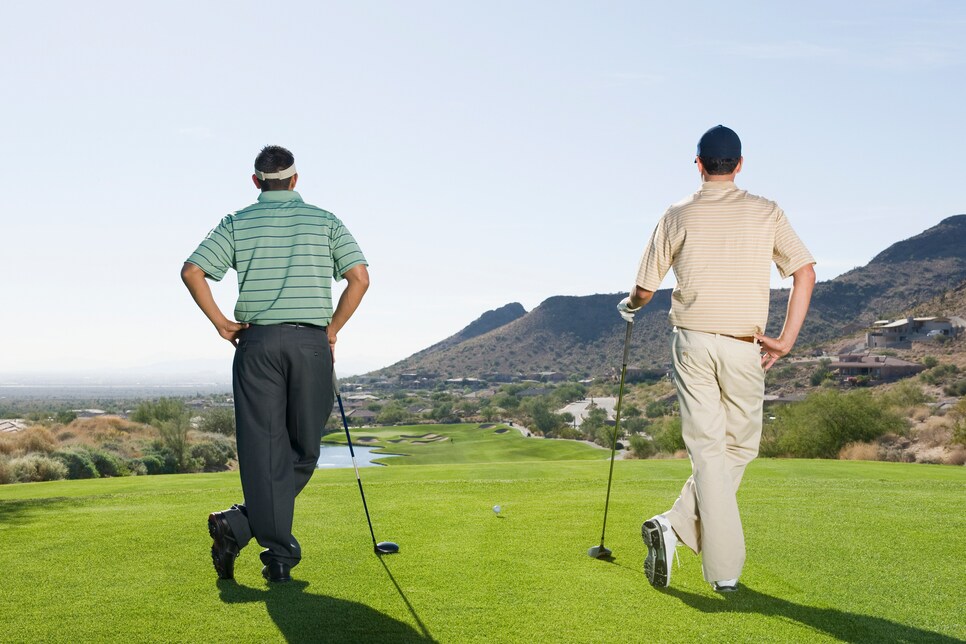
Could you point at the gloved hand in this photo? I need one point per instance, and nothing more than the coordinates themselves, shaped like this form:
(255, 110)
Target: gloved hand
(624, 308)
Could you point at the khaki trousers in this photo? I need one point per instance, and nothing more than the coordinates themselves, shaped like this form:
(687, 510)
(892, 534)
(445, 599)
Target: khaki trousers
(720, 384)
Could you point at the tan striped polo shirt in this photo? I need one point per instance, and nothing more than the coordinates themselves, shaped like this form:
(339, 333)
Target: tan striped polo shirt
(721, 242)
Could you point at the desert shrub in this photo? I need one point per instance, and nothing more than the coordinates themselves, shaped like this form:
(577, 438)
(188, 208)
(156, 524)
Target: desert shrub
(859, 452)
(34, 468)
(939, 374)
(6, 472)
(213, 452)
(157, 412)
(642, 446)
(956, 456)
(65, 435)
(667, 435)
(218, 420)
(905, 394)
(78, 462)
(827, 421)
(8, 444)
(37, 439)
(174, 435)
(935, 432)
(957, 388)
(567, 431)
(929, 362)
(155, 464)
(658, 408)
(136, 467)
(108, 464)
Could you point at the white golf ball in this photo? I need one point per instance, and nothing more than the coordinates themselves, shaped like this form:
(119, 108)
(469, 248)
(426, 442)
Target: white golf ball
(497, 509)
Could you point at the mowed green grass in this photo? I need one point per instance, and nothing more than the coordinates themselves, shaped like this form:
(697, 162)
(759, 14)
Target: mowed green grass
(838, 551)
(467, 443)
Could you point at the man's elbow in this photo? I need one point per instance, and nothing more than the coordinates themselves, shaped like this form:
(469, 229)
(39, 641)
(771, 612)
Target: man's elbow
(189, 271)
(805, 276)
(358, 277)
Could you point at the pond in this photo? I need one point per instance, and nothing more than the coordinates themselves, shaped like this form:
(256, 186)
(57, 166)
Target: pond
(334, 456)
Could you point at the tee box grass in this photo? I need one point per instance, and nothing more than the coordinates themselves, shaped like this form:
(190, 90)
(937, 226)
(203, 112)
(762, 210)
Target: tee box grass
(837, 551)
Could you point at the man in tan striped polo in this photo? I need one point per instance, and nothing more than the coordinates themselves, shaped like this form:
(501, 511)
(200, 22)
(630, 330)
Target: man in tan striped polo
(720, 242)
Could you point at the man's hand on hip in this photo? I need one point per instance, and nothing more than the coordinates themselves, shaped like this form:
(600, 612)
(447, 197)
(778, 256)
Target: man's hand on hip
(229, 330)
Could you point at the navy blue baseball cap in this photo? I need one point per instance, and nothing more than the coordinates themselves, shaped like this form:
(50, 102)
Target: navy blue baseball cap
(719, 142)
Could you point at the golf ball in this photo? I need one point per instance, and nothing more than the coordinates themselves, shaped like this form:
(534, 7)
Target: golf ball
(497, 509)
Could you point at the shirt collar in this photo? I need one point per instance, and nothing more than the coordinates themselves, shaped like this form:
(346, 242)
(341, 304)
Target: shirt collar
(719, 185)
(279, 195)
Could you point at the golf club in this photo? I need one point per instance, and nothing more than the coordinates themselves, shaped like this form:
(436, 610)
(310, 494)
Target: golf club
(600, 552)
(383, 547)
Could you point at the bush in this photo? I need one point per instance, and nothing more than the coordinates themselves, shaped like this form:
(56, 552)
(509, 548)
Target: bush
(213, 453)
(958, 388)
(218, 420)
(34, 468)
(108, 464)
(154, 464)
(642, 446)
(6, 472)
(78, 462)
(825, 422)
(37, 439)
(136, 467)
(905, 394)
(157, 412)
(667, 435)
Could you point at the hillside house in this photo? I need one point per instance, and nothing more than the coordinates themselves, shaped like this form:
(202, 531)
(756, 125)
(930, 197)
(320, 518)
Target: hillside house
(901, 333)
(874, 367)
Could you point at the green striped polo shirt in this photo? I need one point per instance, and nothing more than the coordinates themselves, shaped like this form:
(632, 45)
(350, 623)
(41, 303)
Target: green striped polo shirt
(721, 242)
(286, 253)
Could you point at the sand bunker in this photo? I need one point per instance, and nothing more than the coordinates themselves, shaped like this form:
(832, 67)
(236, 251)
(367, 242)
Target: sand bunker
(487, 425)
(501, 431)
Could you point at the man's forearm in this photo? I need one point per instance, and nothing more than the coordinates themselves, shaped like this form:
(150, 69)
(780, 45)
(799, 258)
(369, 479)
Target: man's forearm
(194, 278)
(640, 297)
(798, 302)
(351, 297)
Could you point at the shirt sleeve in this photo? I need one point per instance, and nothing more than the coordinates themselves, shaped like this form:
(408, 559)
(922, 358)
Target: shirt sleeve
(657, 259)
(345, 251)
(216, 254)
(790, 253)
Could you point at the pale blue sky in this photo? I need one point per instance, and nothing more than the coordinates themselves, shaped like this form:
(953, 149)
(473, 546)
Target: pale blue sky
(482, 153)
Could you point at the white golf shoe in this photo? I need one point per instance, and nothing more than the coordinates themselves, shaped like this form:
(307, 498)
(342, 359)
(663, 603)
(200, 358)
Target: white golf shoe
(661, 542)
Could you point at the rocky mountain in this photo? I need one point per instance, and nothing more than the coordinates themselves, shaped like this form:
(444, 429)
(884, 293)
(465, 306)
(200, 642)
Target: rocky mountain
(584, 335)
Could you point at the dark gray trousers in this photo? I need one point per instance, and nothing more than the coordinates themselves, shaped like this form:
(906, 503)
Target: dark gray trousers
(283, 397)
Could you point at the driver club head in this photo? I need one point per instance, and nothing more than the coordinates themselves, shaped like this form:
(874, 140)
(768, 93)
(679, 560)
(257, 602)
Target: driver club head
(386, 548)
(599, 552)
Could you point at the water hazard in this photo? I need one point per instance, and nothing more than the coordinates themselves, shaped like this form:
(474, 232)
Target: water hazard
(335, 456)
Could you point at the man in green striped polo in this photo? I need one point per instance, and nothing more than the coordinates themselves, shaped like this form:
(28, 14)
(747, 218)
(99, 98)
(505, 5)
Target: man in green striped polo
(721, 242)
(286, 253)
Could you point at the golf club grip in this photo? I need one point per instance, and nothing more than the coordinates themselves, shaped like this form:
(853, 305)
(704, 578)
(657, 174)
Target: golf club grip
(627, 341)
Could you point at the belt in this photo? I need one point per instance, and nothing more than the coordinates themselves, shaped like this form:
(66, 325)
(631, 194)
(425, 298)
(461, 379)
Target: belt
(743, 338)
(302, 325)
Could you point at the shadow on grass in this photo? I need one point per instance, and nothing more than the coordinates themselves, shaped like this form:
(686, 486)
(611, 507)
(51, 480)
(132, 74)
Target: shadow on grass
(21, 511)
(842, 625)
(412, 611)
(304, 617)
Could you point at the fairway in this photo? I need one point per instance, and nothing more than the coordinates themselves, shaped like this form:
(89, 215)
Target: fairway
(865, 552)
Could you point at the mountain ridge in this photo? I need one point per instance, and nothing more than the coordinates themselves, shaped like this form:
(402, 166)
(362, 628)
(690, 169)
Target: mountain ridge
(583, 335)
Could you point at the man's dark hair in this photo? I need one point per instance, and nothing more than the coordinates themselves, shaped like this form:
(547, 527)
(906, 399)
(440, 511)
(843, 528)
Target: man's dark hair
(719, 166)
(274, 158)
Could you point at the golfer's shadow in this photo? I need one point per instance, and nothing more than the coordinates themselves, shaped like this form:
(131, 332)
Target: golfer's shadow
(305, 617)
(842, 625)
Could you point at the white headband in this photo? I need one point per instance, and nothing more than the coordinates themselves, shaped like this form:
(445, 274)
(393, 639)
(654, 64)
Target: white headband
(281, 174)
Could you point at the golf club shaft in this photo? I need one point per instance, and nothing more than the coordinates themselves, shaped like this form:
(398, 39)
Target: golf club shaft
(617, 424)
(348, 438)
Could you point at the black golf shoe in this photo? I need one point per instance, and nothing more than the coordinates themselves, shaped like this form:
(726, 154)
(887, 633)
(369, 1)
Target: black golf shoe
(277, 572)
(224, 548)
(661, 541)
